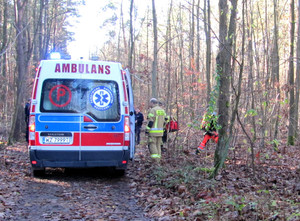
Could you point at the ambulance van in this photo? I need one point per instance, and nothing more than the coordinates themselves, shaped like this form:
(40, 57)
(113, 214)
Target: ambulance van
(82, 115)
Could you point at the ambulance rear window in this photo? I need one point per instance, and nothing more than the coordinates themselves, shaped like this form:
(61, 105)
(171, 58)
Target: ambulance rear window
(97, 98)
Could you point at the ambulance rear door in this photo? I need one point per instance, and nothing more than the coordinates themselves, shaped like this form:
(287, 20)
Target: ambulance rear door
(131, 114)
(58, 123)
(102, 128)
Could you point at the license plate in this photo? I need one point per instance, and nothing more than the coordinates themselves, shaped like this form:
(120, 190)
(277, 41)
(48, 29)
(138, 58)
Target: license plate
(56, 140)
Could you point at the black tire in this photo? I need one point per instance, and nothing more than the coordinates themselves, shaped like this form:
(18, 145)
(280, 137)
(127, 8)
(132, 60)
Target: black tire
(38, 172)
(119, 172)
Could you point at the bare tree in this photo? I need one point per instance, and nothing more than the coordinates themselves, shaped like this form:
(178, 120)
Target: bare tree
(131, 43)
(22, 67)
(275, 68)
(4, 38)
(226, 36)
(207, 27)
(297, 74)
(292, 123)
(168, 56)
(251, 67)
(155, 52)
(32, 19)
(192, 59)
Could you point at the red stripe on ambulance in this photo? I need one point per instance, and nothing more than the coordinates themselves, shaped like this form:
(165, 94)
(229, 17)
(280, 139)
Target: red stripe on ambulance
(76, 141)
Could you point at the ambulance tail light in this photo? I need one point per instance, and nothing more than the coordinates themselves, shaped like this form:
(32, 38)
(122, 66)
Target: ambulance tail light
(32, 130)
(126, 131)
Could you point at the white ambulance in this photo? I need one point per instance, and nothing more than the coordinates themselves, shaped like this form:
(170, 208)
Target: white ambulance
(82, 115)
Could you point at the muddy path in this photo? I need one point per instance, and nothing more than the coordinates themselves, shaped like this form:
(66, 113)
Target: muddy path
(75, 194)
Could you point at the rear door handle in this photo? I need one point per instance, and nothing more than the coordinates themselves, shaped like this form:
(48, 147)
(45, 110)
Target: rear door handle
(90, 127)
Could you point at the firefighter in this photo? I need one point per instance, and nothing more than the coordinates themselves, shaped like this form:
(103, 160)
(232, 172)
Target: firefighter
(155, 129)
(209, 125)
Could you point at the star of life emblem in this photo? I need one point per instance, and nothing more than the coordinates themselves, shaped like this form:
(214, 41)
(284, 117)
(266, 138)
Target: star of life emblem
(101, 98)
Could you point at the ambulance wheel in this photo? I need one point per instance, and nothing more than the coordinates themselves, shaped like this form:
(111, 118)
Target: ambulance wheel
(38, 172)
(119, 172)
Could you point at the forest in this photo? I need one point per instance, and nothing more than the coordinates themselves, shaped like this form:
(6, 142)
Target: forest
(236, 57)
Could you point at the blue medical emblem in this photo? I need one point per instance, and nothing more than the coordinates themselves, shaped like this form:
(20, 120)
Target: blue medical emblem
(101, 98)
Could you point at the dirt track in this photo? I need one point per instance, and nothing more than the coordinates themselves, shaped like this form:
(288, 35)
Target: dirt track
(88, 194)
(177, 190)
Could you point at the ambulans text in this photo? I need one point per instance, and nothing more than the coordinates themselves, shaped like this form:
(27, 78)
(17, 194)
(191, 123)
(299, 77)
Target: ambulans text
(82, 68)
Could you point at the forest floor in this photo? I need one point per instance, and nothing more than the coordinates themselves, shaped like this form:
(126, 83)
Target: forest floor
(178, 188)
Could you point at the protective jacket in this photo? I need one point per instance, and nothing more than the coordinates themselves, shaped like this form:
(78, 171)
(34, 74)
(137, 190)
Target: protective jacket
(156, 120)
(139, 119)
(208, 123)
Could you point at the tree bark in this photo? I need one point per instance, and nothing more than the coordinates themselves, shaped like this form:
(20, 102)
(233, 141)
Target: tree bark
(208, 47)
(275, 69)
(192, 60)
(168, 57)
(155, 51)
(4, 39)
(292, 123)
(223, 60)
(22, 67)
(131, 46)
(250, 73)
(297, 75)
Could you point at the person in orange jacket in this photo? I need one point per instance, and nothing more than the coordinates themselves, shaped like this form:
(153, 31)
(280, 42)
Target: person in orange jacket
(209, 125)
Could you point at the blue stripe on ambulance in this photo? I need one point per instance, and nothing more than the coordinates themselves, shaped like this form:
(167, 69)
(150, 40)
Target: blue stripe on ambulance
(52, 123)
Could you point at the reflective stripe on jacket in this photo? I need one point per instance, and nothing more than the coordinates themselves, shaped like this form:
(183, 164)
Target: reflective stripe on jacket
(155, 156)
(157, 116)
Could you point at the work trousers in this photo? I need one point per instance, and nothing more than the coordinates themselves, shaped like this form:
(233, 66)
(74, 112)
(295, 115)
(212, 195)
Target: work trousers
(207, 137)
(154, 147)
(137, 134)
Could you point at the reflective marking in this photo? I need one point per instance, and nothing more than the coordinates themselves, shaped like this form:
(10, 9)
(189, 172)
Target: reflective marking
(101, 98)
(79, 148)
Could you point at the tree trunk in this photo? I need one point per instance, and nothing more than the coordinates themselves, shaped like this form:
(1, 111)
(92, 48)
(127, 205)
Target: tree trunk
(224, 72)
(40, 33)
(208, 46)
(147, 60)
(131, 45)
(275, 70)
(155, 51)
(198, 40)
(181, 62)
(168, 57)
(250, 73)
(297, 75)
(192, 60)
(4, 39)
(292, 123)
(22, 67)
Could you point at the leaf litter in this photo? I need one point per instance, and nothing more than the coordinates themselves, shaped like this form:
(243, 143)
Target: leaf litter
(178, 188)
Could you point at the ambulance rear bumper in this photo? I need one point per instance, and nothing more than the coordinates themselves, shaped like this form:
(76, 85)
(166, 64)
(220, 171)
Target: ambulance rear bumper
(79, 159)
